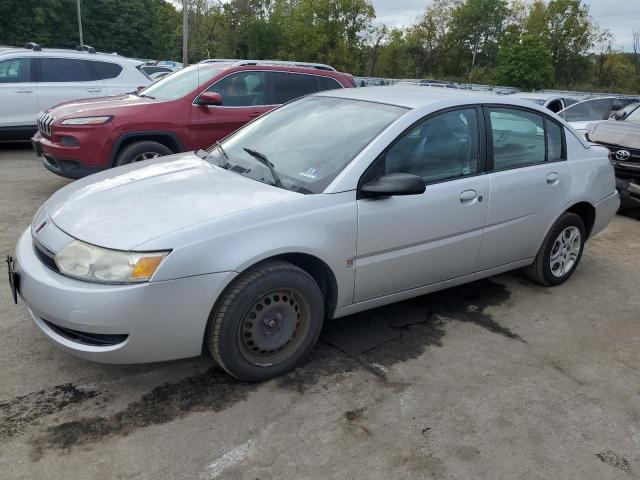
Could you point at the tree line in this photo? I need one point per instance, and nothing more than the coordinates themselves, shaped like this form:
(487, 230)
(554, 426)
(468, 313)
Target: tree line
(529, 44)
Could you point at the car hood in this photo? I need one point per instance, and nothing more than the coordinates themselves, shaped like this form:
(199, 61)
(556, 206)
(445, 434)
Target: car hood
(615, 132)
(127, 206)
(98, 105)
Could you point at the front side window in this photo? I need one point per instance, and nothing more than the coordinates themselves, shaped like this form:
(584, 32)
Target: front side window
(66, 70)
(288, 86)
(178, 84)
(634, 116)
(308, 142)
(242, 89)
(15, 70)
(439, 148)
(518, 138)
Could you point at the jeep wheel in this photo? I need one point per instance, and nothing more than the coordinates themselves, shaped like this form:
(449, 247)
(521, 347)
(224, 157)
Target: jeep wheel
(139, 151)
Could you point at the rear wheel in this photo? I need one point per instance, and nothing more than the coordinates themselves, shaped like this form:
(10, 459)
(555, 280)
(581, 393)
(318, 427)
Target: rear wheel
(139, 151)
(560, 252)
(266, 321)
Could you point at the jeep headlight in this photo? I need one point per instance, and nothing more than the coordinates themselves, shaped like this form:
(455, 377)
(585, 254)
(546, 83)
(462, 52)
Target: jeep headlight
(95, 264)
(87, 120)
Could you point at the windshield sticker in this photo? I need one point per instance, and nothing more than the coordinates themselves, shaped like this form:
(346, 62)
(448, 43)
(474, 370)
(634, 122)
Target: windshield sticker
(310, 173)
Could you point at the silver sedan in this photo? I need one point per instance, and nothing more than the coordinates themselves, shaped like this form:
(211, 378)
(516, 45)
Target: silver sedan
(332, 204)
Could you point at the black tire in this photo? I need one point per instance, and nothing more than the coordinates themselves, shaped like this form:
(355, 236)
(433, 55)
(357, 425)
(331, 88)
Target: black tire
(129, 153)
(240, 334)
(540, 270)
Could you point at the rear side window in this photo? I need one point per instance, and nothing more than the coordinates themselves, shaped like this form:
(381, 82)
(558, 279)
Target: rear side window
(105, 70)
(518, 138)
(288, 86)
(66, 70)
(242, 89)
(15, 70)
(554, 142)
(328, 83)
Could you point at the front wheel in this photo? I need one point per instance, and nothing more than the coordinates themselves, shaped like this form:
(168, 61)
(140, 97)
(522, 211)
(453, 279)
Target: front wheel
(560, 252)
(139, 151)
(267, 320)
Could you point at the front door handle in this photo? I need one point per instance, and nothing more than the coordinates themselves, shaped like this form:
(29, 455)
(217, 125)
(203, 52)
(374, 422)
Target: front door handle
(94, 90)
(24, 90)
(255, 114)
(468, 196)
(553, 178)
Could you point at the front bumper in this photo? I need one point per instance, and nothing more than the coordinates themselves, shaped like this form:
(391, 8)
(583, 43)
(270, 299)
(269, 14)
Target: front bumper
(62, 160)
(156, 321)
(629, 194)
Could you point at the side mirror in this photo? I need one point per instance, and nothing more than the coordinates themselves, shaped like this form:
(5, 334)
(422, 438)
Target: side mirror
(393, 184)
(140, 88)
(620, 115)
(210, 98)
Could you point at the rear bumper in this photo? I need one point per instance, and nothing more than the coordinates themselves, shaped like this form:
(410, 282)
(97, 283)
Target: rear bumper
(605, 211)
(133, 323)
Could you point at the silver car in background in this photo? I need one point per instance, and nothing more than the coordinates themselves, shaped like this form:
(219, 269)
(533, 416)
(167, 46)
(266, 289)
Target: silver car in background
(335, 203)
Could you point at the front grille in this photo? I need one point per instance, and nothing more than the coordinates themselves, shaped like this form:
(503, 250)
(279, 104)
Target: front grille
(44, 123)
(93, 339)
(45, 256)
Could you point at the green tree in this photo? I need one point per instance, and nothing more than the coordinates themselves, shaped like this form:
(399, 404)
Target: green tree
(525, 63)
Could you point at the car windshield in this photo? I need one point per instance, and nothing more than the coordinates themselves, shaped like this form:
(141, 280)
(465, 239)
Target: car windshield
(634, 116)
(180, 83)
(588, 110)
(308, 142)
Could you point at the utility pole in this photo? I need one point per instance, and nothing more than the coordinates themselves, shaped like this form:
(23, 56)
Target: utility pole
(185, 33)
(80, 23)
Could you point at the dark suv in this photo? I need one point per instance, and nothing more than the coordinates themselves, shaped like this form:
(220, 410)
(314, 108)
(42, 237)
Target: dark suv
(189, 109)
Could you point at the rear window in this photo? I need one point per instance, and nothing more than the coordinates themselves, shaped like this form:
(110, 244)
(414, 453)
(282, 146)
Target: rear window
(105, 70)
(328, 83)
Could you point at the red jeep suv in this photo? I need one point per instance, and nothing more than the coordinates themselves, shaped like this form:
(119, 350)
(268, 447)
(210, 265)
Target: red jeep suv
(187, 110)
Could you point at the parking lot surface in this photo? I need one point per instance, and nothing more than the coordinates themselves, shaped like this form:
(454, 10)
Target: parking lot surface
(499, 379)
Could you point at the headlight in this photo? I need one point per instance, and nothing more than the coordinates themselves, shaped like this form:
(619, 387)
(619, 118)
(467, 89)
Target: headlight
(87, 120)
(95, 264)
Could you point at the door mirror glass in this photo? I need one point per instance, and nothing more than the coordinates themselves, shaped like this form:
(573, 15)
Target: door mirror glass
(210, 98)
(393, 184)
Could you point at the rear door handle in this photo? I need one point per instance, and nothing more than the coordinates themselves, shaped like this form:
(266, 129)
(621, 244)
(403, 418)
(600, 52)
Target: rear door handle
(553, 178)
(469, 196)
(255, 114)
(24, 90)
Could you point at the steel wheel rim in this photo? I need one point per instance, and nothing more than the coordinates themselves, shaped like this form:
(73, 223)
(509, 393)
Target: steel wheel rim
(565, 251)
(273, 327)
(145, 156)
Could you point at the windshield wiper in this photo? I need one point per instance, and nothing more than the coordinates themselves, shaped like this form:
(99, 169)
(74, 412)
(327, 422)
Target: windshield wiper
(262, 158)
(218, 145)
(203, 154)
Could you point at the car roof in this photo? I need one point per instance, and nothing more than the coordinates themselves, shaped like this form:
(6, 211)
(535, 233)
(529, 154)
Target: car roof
(66, 53)
(222, 66)
(411, 96)
(540, 96)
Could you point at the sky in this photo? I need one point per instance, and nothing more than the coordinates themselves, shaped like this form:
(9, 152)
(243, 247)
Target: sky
(619, 16)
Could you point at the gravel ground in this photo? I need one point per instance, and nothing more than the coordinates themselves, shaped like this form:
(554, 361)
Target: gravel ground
(499, 379)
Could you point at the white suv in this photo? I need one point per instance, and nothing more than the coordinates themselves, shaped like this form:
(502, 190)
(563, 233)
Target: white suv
(33, 79)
